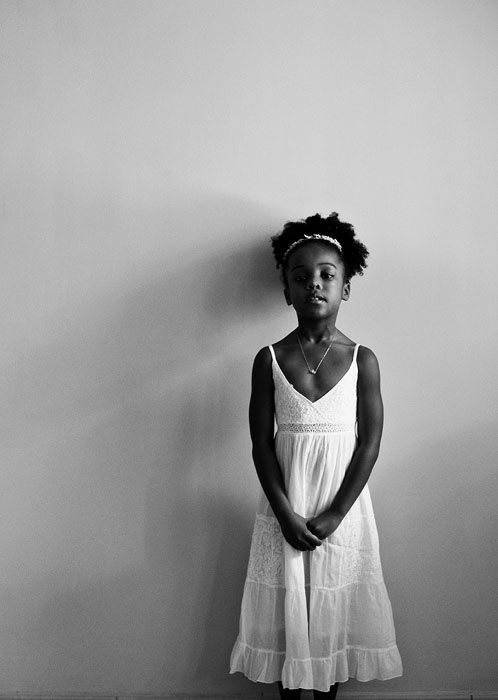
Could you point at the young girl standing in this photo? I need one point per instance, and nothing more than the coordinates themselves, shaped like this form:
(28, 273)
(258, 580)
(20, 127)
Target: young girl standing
(315, 610)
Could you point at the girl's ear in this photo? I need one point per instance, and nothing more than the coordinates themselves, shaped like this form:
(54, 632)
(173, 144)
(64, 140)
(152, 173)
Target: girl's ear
(346, 290)
(287, 296)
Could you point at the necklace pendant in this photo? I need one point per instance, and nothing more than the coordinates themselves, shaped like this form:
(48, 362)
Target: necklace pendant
(314, 371)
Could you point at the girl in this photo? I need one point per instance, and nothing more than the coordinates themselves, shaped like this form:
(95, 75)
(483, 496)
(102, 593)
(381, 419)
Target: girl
(315, 610)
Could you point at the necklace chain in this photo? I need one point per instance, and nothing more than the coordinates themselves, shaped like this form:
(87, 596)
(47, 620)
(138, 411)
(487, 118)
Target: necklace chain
(310, 369)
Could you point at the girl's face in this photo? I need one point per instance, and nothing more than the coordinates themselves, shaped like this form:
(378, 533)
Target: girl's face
(315, 281)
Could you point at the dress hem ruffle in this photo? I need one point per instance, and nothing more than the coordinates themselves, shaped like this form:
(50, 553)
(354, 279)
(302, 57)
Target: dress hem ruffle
(266, 666)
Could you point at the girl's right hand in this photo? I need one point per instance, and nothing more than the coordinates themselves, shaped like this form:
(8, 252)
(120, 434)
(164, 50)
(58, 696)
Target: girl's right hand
(296, 532)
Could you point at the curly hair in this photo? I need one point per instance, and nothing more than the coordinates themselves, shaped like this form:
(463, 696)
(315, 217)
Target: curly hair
(353, 253)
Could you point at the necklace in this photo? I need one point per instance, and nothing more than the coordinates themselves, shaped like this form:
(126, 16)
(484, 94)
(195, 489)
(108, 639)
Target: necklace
(310, 369)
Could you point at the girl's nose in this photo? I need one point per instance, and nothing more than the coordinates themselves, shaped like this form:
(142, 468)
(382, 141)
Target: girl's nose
(313, 284)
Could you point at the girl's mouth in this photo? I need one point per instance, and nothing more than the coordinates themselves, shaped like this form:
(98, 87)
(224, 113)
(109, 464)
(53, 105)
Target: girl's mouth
(315, 299)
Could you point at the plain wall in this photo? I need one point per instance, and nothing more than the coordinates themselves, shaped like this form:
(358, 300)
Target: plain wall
(149, 150)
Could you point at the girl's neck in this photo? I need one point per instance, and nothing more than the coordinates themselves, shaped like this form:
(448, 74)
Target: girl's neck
(321, 331)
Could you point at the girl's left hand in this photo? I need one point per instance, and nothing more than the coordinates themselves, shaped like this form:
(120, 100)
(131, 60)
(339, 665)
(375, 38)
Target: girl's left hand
(324, 524)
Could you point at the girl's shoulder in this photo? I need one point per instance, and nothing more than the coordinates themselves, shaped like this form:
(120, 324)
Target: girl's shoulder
(284, 348)
(366, 355)
(288, 341)
(262, 373)
(263, 360)
(368, 365)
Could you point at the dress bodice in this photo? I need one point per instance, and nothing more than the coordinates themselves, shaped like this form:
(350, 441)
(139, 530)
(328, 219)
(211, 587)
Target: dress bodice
(337, 407)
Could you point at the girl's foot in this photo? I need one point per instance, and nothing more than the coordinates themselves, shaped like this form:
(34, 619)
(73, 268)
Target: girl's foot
(289, 693)
(331, 695)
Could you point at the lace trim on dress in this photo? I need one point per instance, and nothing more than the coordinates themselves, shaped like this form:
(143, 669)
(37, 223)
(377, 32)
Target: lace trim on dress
(316, 427)
(266, 561)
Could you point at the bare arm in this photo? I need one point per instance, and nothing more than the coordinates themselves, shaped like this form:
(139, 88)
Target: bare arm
(370, 423)
(261, 424)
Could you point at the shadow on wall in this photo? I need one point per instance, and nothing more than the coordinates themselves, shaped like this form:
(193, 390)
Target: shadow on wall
(136, 493)
(201, 506)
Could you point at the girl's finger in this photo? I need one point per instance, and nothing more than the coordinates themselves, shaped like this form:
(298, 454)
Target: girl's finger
(314, 540)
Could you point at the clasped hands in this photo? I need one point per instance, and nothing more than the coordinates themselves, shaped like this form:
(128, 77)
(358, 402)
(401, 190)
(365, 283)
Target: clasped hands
(308, 534)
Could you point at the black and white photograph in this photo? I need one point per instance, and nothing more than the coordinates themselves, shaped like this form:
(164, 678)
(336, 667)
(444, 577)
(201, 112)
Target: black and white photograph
(248, 320)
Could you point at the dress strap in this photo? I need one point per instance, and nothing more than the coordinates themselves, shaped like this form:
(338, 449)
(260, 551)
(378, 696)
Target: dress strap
(272, 353)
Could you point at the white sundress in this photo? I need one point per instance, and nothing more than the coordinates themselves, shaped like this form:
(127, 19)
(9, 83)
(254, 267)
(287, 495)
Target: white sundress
(311, 619)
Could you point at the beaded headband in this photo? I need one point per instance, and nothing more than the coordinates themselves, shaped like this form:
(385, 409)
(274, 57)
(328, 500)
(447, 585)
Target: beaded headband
(311, 237)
